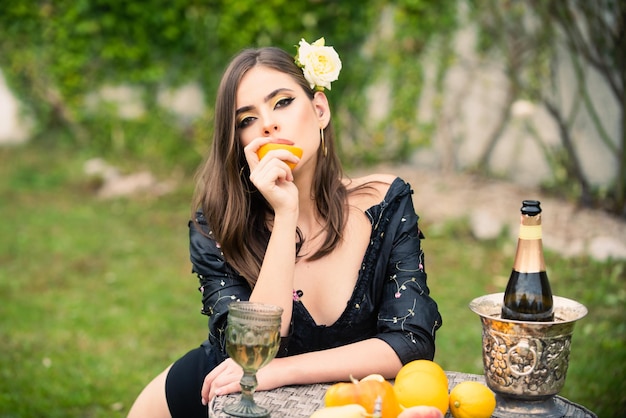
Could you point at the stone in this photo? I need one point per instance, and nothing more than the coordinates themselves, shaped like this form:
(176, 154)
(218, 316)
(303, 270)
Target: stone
(14, 129)
(485, 224)
(602, 248)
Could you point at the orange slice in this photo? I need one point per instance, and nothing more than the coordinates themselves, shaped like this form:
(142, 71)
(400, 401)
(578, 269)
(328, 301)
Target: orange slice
(272, 146)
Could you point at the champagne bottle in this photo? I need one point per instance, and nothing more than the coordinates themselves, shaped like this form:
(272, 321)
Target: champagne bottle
(528, 296)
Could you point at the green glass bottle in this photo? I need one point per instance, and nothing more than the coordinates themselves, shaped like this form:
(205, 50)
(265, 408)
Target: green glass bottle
(528, 296)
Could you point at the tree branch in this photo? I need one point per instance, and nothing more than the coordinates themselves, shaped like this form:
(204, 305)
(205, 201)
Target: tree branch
(575, 166)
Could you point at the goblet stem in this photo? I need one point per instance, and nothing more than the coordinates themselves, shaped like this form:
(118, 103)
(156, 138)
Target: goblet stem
(248, 386)
(246, 407)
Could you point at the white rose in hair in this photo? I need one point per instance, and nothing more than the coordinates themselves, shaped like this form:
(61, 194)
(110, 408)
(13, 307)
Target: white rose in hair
(320, 64)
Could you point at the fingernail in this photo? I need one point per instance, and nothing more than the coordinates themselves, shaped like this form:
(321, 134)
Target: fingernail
(203, 402)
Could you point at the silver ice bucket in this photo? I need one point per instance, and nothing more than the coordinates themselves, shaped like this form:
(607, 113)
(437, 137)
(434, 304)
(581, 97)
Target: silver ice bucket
(526, 362)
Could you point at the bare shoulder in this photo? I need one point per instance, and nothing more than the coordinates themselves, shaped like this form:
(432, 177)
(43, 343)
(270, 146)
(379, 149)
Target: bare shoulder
(368, 190)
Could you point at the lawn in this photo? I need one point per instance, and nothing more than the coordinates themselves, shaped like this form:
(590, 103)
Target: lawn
(97, 295)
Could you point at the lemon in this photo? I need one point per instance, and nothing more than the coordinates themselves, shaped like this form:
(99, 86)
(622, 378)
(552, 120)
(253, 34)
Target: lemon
(422, 382)
(472, 400)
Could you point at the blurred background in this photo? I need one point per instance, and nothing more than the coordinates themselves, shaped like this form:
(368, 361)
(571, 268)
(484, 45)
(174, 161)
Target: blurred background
(106, 110)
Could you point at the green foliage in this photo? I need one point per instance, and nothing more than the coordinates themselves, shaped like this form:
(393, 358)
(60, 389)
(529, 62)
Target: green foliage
(55, 53)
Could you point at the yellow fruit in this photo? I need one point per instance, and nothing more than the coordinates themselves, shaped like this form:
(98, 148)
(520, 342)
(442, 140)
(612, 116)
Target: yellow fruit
(345, 411)
(264, 149)
(422, 366)
(365, 393)
(375, 377)
(472, 400)
(424, 383)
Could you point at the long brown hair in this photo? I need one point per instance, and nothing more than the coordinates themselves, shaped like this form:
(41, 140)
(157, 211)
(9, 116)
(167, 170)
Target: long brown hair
(234, 209)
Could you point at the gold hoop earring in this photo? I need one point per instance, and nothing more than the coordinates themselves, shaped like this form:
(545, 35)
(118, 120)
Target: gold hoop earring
(324, 148)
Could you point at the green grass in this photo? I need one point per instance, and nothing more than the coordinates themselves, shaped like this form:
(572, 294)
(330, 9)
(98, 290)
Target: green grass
(97, 296)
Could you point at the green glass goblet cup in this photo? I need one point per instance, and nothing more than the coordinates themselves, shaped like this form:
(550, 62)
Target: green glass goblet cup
(252, 341)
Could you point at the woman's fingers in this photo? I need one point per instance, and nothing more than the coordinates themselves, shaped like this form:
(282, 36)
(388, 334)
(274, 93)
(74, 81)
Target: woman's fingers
(272, 176)
(250, 151)
(222, 380)
(273, 156)
(270, 172)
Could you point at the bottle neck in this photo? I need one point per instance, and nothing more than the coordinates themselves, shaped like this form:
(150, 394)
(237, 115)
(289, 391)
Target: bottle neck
(529, 255)
(530, 232)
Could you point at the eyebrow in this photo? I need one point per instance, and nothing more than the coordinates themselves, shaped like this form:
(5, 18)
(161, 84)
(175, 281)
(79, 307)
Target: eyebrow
(265, 99)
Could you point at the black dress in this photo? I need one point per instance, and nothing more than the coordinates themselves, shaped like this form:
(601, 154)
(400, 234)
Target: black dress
(390, 300)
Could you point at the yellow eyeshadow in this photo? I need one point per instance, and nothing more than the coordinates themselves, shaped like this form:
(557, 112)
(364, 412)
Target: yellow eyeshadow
(278, 98)
(241, 117)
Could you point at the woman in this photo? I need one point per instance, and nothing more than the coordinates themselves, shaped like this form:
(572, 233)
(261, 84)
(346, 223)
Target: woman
(342, 257)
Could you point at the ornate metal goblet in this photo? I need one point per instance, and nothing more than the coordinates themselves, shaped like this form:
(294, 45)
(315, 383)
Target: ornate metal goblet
(252, 341)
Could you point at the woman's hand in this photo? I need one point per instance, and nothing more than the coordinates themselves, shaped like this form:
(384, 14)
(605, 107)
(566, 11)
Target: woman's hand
(225, 378)
(272, 176)
(222, 380)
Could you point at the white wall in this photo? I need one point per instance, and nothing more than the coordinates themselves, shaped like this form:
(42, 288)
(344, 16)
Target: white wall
(473, 97)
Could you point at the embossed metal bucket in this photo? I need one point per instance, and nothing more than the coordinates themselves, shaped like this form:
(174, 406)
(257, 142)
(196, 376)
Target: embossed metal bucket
(526, 362)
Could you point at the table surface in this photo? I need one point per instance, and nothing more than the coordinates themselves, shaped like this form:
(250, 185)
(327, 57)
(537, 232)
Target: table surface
(302, 401)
